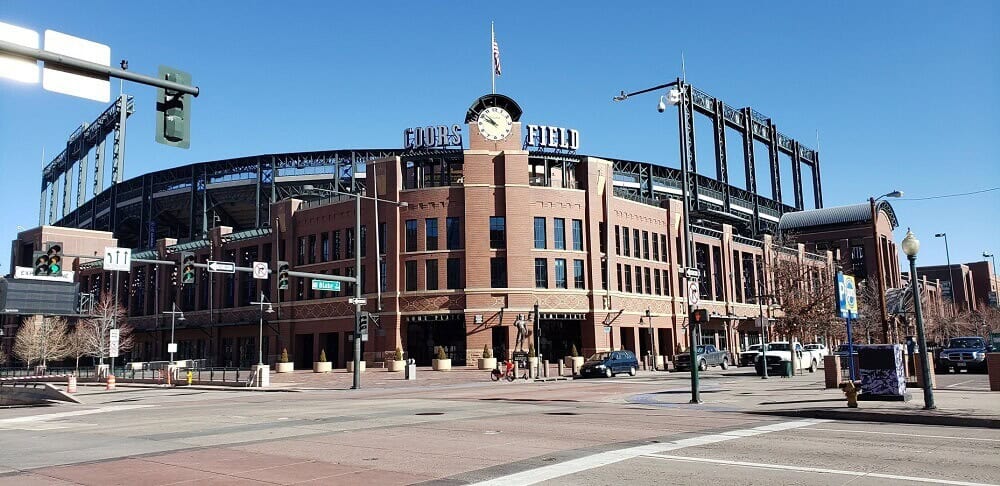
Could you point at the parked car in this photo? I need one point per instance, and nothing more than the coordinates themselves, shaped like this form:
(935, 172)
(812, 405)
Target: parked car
(962, 353)
(820, 349)
(707, 356)
(610, 363)
(780, 351)
(748, 357)
(842, 352)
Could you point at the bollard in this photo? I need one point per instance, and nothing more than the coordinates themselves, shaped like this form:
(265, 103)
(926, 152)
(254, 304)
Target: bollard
(111, 382)
(562, 368)
(831, 371)
(71, 384)
(574, 370)
(545, 369)
(516, 372)
(411, 369)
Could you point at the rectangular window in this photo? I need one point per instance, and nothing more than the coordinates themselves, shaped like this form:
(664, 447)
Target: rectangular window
(625, 240)
(364, 239)
(663, 248)
(431, 234)
(618, 241)
(541, 273)
(737, 277)
(349, 243)
(638, 279)
(411, 275)
(431, 274)
(628, 278)
(604, 274)
(383, 279)
(311, 252)
(645, 245)
(656, 248)
(620, 288)
(656, 282)
(498, 233)
(454, 273)
(301, 259)
(453, 233)
(539, 233)
(324, 247)
(701, 254)
(498, 272)
(411, 235)
(578, 281)
(335, 255)
(666, 282)
(560, 273)
(648, 278)
(559, 233)
(381, 238)
(717, 275)
(635, 235)
(577, 235)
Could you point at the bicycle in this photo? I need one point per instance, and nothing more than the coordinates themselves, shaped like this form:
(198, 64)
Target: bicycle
(507, 374)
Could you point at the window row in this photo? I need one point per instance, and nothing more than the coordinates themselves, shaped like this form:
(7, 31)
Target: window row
(453, 274)
(453, 234)
(331, 242)
(632, 242)
(643, 280)
(542, 274)
(558, 234)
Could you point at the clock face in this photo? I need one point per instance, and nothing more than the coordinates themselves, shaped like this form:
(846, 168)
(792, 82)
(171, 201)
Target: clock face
(494, 123)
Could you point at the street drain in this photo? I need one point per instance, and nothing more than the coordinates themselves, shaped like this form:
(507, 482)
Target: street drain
(561, 413)
(429, 413)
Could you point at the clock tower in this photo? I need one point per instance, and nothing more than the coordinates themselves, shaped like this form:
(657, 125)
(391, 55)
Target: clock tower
(494, 122)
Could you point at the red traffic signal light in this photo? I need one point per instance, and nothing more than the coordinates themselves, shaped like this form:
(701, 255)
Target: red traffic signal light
(699, 316)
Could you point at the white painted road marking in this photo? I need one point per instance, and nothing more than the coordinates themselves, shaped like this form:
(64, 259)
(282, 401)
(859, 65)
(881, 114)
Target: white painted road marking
(592, 461)
(38, 422)
(818, 470)
(905, 435)
(959, 383)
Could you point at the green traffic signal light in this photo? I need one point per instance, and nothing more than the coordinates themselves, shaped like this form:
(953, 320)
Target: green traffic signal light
(283, 270)
(55, 259)
(187, 268)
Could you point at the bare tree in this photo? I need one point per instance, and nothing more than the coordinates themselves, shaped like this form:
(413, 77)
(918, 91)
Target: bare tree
(78, 348)
(95, 331)
(806, 292)
(40, 339)
(867, 328)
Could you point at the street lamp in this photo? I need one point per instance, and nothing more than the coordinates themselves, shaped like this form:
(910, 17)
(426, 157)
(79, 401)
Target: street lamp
(911, 245)
(357, 267)
(260, 337)
(172, 346)
(951, 280)
(880, 276)
(652, 341)
(675, 96)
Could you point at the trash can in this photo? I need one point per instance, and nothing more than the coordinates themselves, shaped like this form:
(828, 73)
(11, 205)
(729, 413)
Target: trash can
(411, 369)
(785, 369)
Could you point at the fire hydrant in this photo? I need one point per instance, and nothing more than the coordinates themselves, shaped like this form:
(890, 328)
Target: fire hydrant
(190, 377)
(851, 392)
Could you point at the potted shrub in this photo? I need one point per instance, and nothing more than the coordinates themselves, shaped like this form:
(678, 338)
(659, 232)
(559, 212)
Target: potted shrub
(350, 365)
(487, 362)
(442, 362)
(283, 365)
(322, 366)
(574, 361)
(397, 363)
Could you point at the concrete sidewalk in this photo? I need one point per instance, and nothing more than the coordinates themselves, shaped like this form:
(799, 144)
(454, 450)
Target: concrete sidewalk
(805, 396)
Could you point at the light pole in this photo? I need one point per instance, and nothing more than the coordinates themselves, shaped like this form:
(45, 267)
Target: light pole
(260, 336)
(911, 245)
(357, 268)
(951, 279)
(676, 96)
(172, 346)
(880, 276)
(652, 342)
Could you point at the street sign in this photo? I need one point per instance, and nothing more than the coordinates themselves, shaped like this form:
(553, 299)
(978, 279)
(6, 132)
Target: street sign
(692, 273)
(29, 273)
(357, 301)
(171, 347)
(113, 343)
(693, 293)
(332, 285)
(847, 298)
(221, 267)
(119, 259)
(260, 270)
(75, 82)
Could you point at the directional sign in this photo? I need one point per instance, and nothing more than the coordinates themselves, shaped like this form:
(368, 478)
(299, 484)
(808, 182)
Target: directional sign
(332, 285)
(693, 293)
(221, 267)
(357, 301)
(117, 258)
(113, 343)
(692, 273)
(260, 270)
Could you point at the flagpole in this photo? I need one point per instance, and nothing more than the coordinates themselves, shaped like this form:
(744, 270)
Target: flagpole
(493, 69)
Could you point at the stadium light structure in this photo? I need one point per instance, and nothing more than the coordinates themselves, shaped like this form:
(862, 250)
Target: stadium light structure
(357, 267)
(675, 96)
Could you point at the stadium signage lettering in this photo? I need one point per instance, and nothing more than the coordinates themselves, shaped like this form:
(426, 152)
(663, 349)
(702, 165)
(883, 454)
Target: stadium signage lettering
(542, 136)
(432, 137)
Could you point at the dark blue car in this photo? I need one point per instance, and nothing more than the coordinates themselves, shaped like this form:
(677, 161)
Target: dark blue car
(610, 363)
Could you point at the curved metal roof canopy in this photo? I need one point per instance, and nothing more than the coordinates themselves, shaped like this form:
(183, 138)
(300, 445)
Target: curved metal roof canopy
(854, 213)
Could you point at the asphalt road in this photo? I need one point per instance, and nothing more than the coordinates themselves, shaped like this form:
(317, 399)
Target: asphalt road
(579, 432)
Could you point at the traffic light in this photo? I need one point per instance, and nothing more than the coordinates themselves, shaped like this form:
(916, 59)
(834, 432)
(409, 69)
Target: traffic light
(173, 110)
(283, 275)
(363, 322)
(187, 268)
(699, 316)
(41, 264)
(55, 258)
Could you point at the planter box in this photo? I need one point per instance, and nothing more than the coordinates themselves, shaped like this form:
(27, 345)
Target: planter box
(569, 361)
(284, 367)
(487, 363)
(322, 367)
(350, 366)
(397, 365)
(441, 364)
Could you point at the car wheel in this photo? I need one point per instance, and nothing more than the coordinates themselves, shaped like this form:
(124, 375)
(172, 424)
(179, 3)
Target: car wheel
(631, 371)
(812, 367)
(702, 365)
(725, 364)
(608, 373)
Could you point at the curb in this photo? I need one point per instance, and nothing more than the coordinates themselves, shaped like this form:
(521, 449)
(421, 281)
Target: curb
(890, 417)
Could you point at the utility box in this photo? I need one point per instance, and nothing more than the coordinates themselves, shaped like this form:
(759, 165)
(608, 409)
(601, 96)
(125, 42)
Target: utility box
(882, 372)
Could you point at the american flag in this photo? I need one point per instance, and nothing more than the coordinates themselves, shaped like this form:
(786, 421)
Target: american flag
(496, 57)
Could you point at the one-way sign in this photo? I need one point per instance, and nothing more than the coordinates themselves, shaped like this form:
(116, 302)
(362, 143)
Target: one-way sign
(221, 267)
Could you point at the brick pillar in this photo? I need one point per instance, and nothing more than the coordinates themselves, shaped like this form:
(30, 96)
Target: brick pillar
(920, 376)
(831, 371)
(993, 367)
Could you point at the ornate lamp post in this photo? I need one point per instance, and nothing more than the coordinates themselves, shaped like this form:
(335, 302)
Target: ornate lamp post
(911, 245)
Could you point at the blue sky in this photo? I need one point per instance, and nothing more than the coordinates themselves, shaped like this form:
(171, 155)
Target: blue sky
(902, 95)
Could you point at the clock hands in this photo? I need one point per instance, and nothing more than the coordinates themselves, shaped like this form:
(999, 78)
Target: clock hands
(489, 119)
